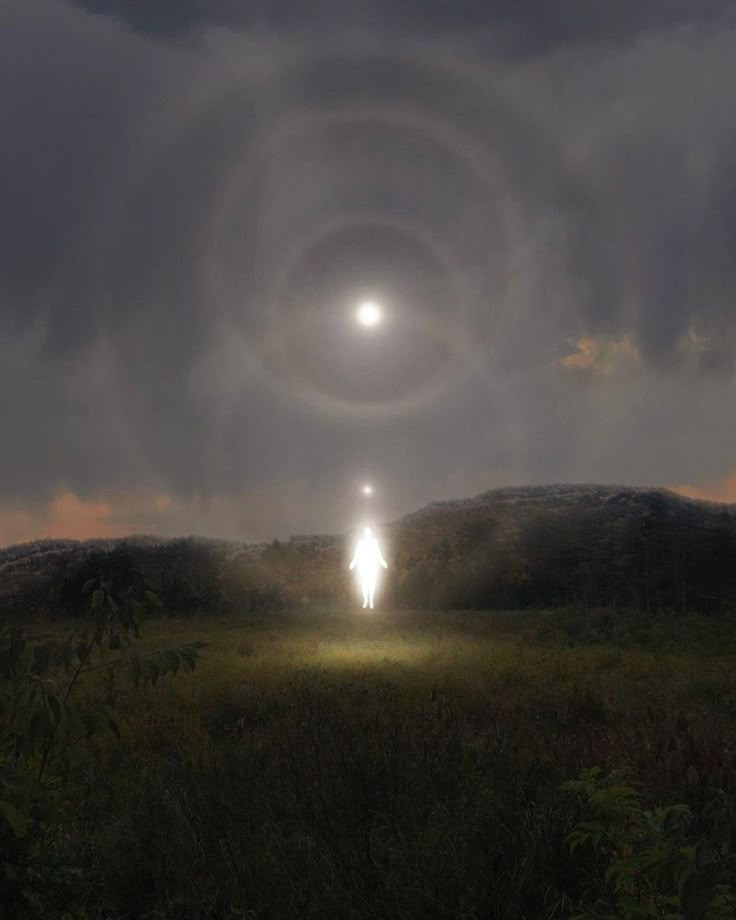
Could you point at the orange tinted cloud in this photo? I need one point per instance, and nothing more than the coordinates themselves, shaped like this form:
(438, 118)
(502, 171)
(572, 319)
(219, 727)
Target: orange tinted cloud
(601, 356)
(77, 518)
(722, 490)
(71, 516)
(254, 514)
(164, 503)
(16, 526)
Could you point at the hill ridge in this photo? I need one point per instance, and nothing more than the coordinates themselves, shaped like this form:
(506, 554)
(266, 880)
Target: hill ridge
(515, 546)
(554, 489)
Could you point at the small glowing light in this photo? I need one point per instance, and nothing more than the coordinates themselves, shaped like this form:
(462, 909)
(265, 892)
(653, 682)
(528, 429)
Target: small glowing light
(367, 489)
(367, 559)
(369, 314)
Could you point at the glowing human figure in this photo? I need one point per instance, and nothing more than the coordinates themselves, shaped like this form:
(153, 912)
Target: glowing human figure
(367, 558)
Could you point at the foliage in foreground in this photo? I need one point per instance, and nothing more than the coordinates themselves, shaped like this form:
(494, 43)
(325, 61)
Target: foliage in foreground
(316, 770)
(648, 862)
(55, 694)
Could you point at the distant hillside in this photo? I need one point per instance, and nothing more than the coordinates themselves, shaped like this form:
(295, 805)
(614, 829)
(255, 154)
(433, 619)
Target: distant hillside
(512, 548)
(561, 544)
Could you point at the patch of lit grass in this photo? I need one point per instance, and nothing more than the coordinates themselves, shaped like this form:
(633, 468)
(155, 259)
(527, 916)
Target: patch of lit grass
(328, 763)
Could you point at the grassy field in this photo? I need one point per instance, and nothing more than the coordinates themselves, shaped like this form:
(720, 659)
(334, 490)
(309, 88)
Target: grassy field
(403, 765)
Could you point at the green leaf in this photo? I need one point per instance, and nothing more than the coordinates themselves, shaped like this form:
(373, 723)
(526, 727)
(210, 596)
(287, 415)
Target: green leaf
(189, 656)
(171, 657)
(41, 658)
(704, 853)
(17, 646)
(67, 654)
(17, 821)
(150, 670)
(89, 722)
(586, 832)
(134, 670)
(112, 724)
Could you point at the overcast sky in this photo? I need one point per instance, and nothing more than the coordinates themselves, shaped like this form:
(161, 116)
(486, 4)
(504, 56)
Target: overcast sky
(196, 195)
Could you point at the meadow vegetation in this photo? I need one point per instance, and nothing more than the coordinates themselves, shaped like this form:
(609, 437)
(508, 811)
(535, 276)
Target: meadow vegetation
(393, 764)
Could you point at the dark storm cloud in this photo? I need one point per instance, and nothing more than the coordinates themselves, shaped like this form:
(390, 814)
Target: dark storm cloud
(189, 191)
(525, 24)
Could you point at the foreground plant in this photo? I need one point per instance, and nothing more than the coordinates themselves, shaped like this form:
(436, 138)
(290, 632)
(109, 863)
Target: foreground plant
(54, 696)
(646, 863)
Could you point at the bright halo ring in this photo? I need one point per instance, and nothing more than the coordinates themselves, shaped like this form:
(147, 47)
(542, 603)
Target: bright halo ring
(274, 355)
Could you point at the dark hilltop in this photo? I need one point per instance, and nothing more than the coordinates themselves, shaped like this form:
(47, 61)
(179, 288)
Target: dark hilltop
(512, 548)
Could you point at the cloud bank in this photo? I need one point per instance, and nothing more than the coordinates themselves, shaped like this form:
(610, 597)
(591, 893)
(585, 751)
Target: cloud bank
(192, 195)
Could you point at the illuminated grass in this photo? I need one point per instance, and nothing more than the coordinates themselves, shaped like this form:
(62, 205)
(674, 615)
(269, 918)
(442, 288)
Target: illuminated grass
(329, 764)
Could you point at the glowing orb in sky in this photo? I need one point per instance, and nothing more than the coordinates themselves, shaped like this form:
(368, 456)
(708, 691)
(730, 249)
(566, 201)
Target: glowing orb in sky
(369, 314)
(367, 489)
